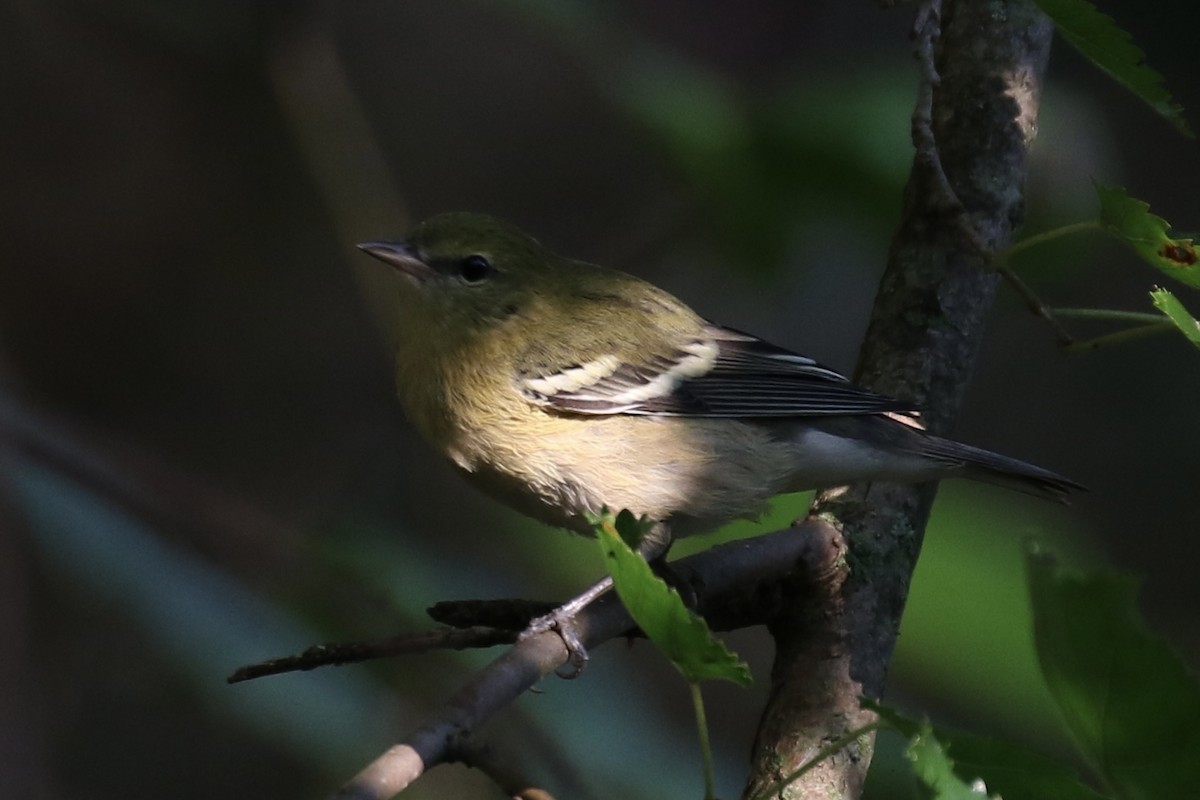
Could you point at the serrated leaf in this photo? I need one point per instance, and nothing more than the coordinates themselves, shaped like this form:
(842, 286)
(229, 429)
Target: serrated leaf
(934, 767)
(1098, 37)
(661, 614)
(1130, 219)
(1127, 698)
(1006, 768)
(1166, 302)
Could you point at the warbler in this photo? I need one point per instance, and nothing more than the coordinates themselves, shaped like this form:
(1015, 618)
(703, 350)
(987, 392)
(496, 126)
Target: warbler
(561, 388)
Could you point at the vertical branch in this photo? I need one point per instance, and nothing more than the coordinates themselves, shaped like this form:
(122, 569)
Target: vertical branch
(982, 63)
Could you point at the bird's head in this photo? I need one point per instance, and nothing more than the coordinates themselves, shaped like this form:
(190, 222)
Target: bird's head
(463, 272)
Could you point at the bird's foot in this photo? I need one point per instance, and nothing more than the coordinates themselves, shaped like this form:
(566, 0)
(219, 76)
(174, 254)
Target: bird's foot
(562, 621)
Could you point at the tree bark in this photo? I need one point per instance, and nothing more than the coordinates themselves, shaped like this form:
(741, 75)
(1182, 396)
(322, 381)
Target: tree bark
(982, 64)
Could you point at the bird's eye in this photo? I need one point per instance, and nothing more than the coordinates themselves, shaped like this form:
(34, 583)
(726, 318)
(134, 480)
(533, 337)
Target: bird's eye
(475, 269)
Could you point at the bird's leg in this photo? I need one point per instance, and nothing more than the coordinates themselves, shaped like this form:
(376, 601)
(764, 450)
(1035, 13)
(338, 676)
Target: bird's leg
(562, 620)
(653, 547)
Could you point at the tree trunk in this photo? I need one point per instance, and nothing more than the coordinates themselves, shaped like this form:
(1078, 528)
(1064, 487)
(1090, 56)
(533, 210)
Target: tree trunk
(982, 65)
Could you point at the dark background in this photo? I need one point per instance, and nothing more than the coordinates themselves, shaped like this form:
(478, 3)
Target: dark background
(202, 461)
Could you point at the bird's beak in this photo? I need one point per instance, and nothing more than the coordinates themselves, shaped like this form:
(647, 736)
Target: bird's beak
(398, 255)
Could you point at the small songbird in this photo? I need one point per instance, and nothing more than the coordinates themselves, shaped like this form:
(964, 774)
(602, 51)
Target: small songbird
(561, 388)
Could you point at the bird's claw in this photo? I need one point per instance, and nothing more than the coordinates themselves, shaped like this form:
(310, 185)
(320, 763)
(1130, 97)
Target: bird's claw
(564, 625)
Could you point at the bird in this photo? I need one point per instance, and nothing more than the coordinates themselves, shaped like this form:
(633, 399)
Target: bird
(563, 388)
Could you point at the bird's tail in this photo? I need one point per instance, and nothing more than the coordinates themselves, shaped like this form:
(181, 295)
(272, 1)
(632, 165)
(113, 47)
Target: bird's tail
(988, 467)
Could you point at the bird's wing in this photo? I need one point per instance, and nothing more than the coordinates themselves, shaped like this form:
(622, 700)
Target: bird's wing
(720, 372)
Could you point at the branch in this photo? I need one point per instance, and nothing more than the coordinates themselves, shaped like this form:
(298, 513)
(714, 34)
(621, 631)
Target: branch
(502, 772)
(922, 342)
(338, 653)
(739, 575)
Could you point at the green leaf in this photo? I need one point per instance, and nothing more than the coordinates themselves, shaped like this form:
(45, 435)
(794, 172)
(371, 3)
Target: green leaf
(1165, 302)
(934, 767)
(662, 616)
(1006, 768)
(1102, 42)
(1130, 219)
(1129, 701)
(631, 529)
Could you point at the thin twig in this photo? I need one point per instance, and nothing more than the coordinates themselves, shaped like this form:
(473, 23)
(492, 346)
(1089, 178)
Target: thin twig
(705, 745)
(1110, 314)
(509, 614)
(337, 653)
(1050, 235)
(1033, 301)
(1121, 337)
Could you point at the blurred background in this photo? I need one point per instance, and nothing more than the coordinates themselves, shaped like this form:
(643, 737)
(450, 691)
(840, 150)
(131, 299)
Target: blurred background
(201, 463)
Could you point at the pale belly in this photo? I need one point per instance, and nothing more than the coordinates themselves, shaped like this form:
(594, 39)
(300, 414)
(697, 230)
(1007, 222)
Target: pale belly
(700, 473)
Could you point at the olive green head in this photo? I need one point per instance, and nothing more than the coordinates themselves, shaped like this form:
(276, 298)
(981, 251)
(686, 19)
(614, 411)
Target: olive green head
(468, 269)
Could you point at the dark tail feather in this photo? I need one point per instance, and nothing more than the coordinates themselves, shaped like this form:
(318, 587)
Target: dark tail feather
(989, 467)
